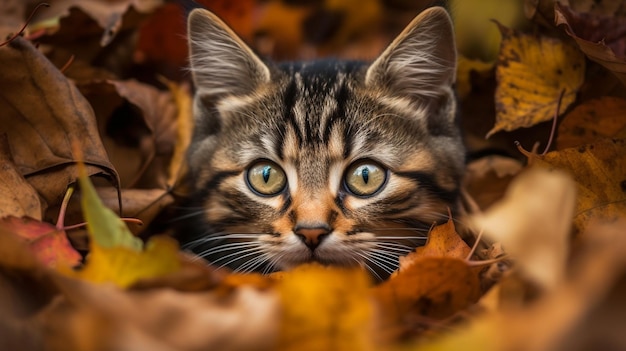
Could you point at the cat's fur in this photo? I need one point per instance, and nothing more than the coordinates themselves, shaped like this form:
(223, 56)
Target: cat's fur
(314, 120)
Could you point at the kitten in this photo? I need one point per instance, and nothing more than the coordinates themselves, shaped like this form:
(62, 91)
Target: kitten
(338, 162)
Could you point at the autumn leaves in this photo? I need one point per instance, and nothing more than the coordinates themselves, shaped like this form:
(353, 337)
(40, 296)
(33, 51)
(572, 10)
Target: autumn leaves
(552, 251)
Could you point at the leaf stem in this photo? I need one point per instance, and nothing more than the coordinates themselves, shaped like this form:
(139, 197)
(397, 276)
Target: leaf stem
(25, 24)
(63, 210)
(556, 117)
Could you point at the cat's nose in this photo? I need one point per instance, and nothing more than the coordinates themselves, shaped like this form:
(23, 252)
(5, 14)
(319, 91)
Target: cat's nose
(312, 236)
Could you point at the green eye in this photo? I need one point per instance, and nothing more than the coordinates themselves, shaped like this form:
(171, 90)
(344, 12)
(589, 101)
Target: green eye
(266, 178)
(364, 178)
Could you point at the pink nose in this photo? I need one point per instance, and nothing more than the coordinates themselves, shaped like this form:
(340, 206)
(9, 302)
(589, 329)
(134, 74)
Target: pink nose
(312, 236)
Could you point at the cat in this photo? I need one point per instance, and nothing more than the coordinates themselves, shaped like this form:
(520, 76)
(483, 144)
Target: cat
(337, 162)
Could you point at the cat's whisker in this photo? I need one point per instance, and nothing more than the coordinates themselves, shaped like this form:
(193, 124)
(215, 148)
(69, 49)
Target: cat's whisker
(375, 262)
(213, 237)
(395, 247)
(367, 266)
(248, 253)
(402, 237)
(391, 260)
(248, 247)
(252, 264)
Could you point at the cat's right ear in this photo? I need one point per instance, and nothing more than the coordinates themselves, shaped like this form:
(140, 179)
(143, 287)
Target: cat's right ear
(221, 63)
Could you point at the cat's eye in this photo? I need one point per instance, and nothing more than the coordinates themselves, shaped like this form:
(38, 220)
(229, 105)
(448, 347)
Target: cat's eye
(365, 178)
(266, 178)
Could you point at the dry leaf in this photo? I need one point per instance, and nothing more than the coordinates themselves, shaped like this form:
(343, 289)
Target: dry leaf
(43, 114)
(532, 72)
(115, 255)
(160, 114)
(595, 119)
(487, 178)
(325, 309)
(434, 282)
(103, 317)
(18, 197)
(599, 170)
(533, 224)
(595, 44)
(443, 241)
(48, 243)
(184, 129)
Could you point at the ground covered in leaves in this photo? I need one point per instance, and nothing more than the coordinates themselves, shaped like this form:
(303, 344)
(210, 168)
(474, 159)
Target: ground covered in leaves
(95, 119)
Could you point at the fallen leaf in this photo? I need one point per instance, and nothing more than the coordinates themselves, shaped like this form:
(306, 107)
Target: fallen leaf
(184, 130)
(432, 288)
(160, 113)
(533, 224)
(115, 255)
(103, 317)
(325, 309)
(48, 243)
(487, 178)
(599, 170)
(433, 282)
(559, 319)
(591, 121)
(605, 44)
(108, 15)
(443, 241)
(43, 114)
(532, 72)
(18, 197)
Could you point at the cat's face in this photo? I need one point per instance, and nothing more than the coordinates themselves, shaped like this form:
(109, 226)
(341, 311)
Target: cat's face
(337, 162)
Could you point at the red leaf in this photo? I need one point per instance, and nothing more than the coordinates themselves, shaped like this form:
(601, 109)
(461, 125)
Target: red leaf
(48, 244)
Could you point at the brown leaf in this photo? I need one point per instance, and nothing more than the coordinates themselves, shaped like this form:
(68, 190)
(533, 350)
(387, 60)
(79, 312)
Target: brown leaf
(103, 317)
(434, 281)
(602, 39)
(599, 170)
(532, 72)
(18, 198)
(487, 178)
(160, 114)
(43, 115)
(431, 288)
(595, 119)
(108, 15)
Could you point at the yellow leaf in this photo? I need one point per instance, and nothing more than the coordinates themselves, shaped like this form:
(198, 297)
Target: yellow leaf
(184, 128)
(532, 72)
(325, 309)
(123, 266)
(115, 255)
(599, 170)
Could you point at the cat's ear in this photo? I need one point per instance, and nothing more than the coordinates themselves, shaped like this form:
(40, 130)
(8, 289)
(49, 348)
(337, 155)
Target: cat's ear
(421, 61)
(221, 63)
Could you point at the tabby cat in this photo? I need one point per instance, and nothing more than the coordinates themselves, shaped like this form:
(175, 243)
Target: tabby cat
(338, 162)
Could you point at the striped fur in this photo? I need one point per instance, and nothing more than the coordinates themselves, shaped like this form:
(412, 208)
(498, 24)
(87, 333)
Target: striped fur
(314, 120)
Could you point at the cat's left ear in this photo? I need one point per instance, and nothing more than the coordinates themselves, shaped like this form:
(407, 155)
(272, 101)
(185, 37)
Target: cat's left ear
(421, 61)
(221, 63)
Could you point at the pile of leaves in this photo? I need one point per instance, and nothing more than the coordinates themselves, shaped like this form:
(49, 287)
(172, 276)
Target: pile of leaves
(95, 93)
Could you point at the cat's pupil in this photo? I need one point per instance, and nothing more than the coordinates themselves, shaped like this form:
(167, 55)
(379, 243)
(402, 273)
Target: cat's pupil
(365, 174)
(266, 173)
